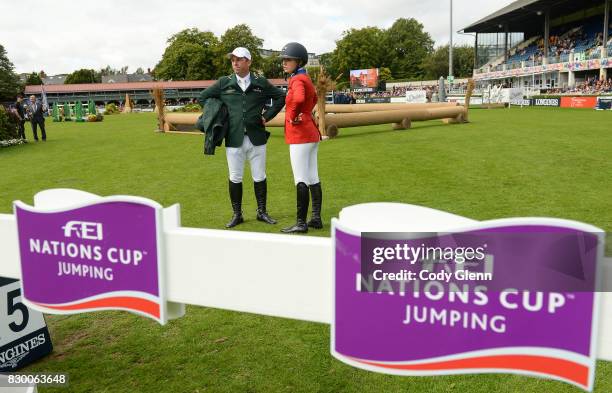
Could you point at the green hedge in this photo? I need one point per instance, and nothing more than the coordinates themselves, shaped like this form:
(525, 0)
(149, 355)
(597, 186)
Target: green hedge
(8, 129)
(111, 109)
(195, 107)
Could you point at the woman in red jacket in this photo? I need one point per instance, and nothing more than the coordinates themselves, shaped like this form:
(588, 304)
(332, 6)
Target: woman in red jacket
(302, 135)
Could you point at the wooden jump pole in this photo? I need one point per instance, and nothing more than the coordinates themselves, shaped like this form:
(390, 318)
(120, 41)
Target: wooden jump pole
(323, 84)
(158, 97)
(468, 97)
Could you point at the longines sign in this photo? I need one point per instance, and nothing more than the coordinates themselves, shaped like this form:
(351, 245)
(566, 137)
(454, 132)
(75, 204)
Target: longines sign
(24, 336)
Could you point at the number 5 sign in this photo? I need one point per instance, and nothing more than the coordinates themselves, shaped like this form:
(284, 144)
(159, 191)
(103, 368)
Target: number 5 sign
(24, 337)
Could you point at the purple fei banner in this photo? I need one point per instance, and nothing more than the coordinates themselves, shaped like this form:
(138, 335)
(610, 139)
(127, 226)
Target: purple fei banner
(104, 255)
(432, 326)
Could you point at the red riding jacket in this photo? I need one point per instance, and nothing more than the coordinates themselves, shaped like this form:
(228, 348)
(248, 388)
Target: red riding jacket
(301, 99)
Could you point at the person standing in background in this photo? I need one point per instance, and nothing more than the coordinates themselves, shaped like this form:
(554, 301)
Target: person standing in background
(37, 118)
(22, 114)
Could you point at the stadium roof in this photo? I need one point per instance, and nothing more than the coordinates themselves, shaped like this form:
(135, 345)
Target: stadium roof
(522, 15)
(99, 87)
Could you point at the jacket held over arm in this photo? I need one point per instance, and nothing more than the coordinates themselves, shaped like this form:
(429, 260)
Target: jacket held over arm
(245, 108)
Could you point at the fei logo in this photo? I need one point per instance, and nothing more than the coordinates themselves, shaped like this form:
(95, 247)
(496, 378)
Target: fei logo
(98, 256)
(83, 230)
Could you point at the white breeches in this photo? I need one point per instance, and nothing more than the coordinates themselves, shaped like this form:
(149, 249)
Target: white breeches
(304, 162)
(256, 156)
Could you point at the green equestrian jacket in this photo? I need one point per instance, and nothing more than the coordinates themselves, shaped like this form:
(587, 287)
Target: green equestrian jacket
(246, 109)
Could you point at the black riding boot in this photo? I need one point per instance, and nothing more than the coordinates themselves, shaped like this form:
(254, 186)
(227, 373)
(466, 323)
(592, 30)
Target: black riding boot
(261, 194)
(317, 196)
(235, 192)
(302, 209)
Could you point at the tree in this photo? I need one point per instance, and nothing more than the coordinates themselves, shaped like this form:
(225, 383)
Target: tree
(33, 79)
(436, 64)
(408, 45)
(239, 35)
(139, 71)
(313, 72)
(463, 61)
(358, 49)
(108, 70)
(326, 60)
(190, 55)
(272, 67)
(384, 74)
(83, 76)
(9, 81)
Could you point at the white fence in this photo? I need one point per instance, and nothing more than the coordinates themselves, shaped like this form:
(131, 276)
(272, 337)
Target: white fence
(277, 275)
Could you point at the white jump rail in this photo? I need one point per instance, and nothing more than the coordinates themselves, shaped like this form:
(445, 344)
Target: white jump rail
(276, 275)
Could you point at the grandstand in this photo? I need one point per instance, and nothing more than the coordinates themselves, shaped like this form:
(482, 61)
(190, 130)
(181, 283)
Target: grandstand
(566, 46)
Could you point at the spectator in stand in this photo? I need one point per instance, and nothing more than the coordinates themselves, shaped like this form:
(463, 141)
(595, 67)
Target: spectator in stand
(591, 85)
(428, 94)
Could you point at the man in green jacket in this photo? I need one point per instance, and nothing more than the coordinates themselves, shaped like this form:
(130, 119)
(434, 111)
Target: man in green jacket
(245, 95)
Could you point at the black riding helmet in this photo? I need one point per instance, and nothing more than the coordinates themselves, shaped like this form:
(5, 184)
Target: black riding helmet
(295, 50)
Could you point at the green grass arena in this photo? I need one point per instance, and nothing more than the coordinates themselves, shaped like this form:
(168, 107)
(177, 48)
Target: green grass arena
(504, 163)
